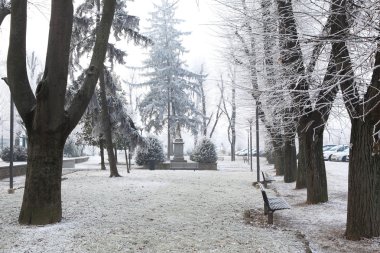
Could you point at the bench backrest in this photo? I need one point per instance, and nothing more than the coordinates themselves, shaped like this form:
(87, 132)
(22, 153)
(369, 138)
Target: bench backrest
(262, 172)
(264, 195)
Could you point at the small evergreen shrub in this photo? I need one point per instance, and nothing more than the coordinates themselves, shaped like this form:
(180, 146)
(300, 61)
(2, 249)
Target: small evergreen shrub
(204, 152)
(19, 154)
(153, 150)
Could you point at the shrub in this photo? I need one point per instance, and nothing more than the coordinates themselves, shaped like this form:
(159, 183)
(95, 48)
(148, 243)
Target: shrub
(19, 154)
(152, 150)
(204, 152)
(71, 149)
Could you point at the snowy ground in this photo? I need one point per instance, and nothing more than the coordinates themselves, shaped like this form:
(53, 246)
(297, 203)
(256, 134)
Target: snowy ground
(181, 211)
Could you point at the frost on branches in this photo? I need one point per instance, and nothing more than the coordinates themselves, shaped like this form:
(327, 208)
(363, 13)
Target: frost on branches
(172, 87)
(204, 152)
(152, 150)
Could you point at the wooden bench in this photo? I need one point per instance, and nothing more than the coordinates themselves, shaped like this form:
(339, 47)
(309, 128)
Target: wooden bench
(266, 179)
(272, 204)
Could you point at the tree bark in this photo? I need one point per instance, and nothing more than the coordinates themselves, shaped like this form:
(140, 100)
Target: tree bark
(126, 159)
(116, 155)
(302, 157)
(233, 123)
(363, 215)
(316, 180)
(102, 162)
(279, 161)
(289, 160)
(42, 195)
(106, 122)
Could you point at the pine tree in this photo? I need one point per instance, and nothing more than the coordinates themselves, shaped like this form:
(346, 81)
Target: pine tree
(171, 86)
(86, 22)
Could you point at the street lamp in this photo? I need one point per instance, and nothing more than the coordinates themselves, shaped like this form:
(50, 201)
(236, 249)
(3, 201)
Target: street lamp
(250, 143)
(257, 142)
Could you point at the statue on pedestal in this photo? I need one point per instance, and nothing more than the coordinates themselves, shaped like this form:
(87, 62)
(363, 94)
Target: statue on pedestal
(178, 131)
(178, 145)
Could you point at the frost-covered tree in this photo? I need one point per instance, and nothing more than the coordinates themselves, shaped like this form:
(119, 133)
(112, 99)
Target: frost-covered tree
(356, 54)
(170, 98)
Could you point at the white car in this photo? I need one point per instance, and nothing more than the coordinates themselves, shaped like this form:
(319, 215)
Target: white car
(341, 156)
(242, 152)
(328, 153)
(328, 146)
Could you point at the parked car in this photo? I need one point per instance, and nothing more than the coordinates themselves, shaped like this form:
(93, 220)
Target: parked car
(327, 154)
(242, 152)
(341, 156)
(328, 146)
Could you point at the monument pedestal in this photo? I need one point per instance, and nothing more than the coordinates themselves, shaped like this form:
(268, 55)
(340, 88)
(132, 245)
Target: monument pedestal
(178, 151)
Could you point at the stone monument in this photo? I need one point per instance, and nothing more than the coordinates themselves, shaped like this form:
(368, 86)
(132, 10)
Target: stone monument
(178, 145)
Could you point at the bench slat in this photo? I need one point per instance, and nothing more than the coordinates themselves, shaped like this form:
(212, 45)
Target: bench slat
(277, 204)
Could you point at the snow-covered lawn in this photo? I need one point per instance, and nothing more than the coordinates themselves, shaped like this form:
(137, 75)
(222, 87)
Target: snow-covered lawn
(180, 211)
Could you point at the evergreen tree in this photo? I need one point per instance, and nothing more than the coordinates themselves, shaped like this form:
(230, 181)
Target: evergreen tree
(86, 22)
(171, 86)
(205, 152)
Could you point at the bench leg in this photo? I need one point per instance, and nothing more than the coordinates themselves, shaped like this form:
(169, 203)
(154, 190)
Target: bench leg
(270, 218)
(265, 209)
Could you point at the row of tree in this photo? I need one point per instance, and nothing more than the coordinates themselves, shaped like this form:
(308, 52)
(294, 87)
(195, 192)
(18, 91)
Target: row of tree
(298, 58)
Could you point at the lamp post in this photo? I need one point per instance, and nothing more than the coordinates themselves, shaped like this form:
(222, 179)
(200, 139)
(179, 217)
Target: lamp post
(250, 121)
(257, 142)
(11, 190)
(248, 146)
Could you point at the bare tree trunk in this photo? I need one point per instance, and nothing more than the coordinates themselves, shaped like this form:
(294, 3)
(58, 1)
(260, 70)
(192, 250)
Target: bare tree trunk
(102, 162)
(316, 180)
(126, 159)
(204, 112)
(44, 171)
(302, 157)
(363, 215)
(116, 155)
(233, 121)
(279, 160)
(106, 121)
(290, 163)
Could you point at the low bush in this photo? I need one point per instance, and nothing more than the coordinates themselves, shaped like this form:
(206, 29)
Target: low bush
(19, 154)
(204, 152)
(152, 150)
